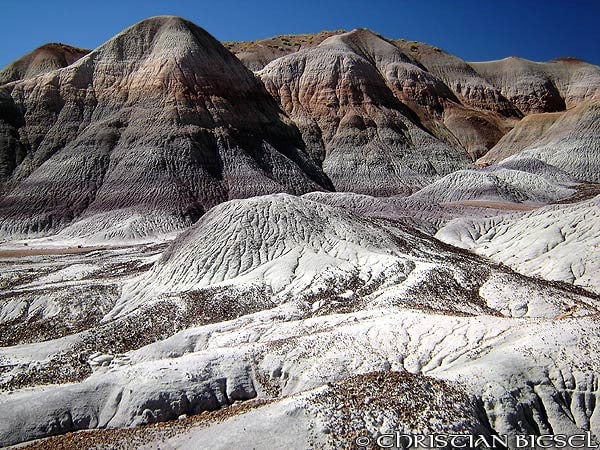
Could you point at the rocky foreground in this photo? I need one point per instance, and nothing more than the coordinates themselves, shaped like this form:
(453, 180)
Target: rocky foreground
(273, 298)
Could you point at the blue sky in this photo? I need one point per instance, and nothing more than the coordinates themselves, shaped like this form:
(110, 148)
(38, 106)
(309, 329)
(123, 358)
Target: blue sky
(474, 30)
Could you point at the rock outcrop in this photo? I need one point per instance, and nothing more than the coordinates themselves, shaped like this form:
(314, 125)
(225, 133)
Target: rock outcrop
(460, 77)
(299, 250)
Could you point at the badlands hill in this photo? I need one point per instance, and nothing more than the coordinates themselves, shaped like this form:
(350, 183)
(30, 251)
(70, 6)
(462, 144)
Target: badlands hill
(478, 103)
(161, 119)
(341, 94)
(512, 87)
(567, 141)
(44, 59)
(146, 133)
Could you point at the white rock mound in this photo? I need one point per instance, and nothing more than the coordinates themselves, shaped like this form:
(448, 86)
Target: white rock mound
(499, 185)
(278, 249)
(560, 242)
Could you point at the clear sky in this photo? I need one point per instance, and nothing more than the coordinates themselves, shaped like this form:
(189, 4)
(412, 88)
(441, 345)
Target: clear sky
(475, 30)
